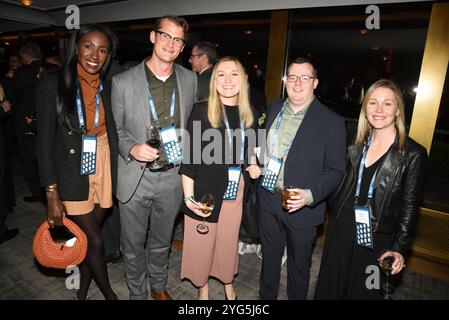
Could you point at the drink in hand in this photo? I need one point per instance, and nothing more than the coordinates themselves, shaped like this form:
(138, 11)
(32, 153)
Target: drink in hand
(387, 265)
(206, 206)
(154, 143)
(287, 192)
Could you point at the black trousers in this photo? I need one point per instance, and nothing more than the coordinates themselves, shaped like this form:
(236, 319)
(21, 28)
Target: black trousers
(27, 153)
(275, 233)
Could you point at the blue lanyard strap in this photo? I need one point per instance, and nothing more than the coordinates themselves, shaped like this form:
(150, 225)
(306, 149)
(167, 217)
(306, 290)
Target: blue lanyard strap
(153, 109)
(80, 109)
(276, 132)
(229, 135)
(361, 168)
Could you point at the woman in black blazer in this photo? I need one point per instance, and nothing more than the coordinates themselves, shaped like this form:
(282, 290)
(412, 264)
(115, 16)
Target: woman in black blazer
(207, 171)
(77, 145)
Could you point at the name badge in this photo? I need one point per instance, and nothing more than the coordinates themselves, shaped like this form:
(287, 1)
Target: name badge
(171, 145)
(272, 174)
(233, 183)
(88, 155)
(364, 233)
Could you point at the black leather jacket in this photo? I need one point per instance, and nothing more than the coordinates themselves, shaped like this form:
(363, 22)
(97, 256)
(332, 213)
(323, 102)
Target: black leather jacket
(398, 190)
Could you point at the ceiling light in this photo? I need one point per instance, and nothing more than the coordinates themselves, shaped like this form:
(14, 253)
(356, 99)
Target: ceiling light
(248, 32)
(27, 3)
(363, 31)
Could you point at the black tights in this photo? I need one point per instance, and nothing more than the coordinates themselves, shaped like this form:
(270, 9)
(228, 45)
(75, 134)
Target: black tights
(94, 266)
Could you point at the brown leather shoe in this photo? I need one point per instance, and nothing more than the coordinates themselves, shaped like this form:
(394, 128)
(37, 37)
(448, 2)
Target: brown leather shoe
(177, 244)
(160, 295)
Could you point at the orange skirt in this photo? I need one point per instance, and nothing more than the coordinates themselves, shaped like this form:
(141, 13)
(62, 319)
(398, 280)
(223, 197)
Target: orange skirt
(100, 183)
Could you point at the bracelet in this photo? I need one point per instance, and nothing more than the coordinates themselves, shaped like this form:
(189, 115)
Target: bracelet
(186, 199)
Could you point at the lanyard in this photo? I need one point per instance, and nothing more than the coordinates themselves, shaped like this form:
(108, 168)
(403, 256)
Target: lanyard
(359, 178)
(276, 132)
(153, 109)
(97, 108)
(229, 134)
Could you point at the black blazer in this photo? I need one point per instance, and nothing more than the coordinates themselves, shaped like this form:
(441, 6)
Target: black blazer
(209, 178)
(59, 150)
(203, 84)
(22, 94)
(316, 159)
(398, 189)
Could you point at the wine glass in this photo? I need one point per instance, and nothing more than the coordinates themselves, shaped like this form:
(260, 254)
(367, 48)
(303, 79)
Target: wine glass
(154, 141)
(30, 132)
(386, 265)
(206, 206)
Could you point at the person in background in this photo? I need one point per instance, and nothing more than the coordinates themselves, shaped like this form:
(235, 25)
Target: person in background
(77, 146)
(382, 186)
(203, 58)
(21, 94)
(44, 70)
(14, 63)
(5, 233)
(227, 110)
(55, 60)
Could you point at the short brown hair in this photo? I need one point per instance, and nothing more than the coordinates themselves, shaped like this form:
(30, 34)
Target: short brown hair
(302, 60)
(179, 21)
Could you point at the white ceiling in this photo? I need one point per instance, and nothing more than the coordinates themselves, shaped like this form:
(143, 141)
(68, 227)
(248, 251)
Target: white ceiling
(14, 16)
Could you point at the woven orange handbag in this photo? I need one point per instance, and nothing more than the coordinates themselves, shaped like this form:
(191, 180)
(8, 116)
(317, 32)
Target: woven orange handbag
(52, 254)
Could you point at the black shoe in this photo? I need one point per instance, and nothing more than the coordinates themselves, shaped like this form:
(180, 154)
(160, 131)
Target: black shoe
(114, 258)
(9, 234)
(32, 199)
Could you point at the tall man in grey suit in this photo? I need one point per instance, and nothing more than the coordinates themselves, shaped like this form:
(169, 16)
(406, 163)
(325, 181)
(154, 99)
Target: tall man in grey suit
(155, 92)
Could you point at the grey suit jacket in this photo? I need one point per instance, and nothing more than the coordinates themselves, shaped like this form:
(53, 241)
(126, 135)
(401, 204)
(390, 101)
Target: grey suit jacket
(132, 117)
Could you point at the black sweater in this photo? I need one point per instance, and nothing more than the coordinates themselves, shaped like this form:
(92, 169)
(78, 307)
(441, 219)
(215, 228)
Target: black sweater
(212, 177)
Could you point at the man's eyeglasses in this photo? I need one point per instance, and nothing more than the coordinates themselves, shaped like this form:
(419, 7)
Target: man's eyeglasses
(195, 55)
(293, 78)
(165, 37)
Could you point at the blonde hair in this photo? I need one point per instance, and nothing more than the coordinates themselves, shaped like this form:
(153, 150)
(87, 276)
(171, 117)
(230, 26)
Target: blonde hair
(215, 106)
(364, 127)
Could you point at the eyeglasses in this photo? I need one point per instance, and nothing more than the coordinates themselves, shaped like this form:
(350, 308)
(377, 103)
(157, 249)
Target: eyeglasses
(195, 55)
(293, 78)
(165, 37)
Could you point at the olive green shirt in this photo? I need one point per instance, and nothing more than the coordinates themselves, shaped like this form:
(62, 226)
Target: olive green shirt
(291, 121)
(161, 92)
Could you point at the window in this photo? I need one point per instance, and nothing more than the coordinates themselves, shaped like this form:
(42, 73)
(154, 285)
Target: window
(350, 57)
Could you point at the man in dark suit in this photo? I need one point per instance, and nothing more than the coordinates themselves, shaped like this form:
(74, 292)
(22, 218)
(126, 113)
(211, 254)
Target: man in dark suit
(22, 97)
(306, 149)
(203, 58)
(5, 234)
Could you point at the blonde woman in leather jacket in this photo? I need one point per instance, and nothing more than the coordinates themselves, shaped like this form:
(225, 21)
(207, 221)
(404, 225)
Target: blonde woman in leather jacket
(394, 170)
